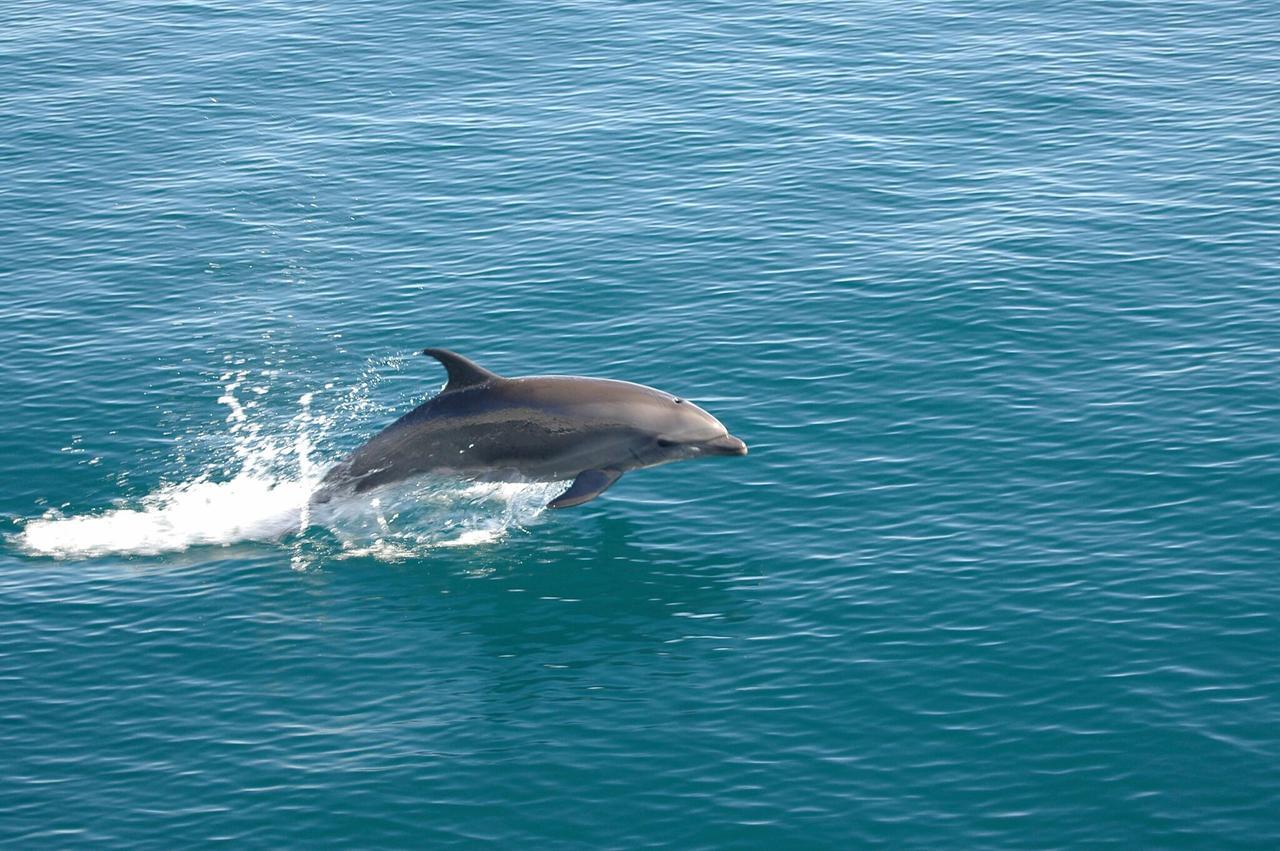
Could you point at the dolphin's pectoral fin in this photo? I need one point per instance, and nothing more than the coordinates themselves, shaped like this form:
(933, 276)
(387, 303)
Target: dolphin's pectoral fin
(462, 372)
(587, 486)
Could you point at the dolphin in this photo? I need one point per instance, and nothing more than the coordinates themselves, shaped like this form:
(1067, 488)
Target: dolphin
(543, 428)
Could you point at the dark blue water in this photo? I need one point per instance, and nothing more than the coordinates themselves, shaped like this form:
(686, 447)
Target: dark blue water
(990, 290)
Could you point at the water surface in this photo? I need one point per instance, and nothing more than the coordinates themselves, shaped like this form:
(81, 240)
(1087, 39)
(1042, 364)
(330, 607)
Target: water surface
(989, 289)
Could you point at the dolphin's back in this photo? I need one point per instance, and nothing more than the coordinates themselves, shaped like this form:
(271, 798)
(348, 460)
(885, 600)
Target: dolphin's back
(540, 428)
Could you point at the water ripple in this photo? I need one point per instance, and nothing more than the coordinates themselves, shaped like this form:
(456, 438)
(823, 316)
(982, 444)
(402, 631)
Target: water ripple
(987, 289)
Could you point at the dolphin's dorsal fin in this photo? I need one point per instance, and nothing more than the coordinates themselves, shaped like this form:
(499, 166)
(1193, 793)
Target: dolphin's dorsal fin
(462, 372)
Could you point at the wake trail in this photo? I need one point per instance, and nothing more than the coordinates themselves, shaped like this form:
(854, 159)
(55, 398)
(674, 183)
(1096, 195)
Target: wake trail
(269, 500)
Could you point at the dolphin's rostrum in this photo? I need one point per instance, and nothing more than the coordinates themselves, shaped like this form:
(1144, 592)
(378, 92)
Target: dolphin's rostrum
(541, 428)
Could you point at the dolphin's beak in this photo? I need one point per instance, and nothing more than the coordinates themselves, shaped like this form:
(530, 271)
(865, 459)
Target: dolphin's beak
(726, 445)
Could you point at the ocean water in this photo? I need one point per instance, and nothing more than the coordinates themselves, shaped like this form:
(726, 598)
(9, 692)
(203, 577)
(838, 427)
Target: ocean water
(992, 290)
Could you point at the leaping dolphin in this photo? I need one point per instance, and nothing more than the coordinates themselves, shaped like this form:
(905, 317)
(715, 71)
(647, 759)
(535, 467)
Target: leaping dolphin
(542, 428)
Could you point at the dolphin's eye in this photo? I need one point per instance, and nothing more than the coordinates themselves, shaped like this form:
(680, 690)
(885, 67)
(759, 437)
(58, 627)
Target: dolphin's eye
(679, 401)
(666, 444)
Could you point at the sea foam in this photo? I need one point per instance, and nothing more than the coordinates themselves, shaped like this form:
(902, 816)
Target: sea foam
(267, 499)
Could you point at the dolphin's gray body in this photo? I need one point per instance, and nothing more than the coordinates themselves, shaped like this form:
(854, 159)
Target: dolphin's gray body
(542, 428)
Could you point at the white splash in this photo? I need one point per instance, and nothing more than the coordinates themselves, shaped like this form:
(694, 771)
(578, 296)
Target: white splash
(407, 520)
(268, 500)
(176, 517)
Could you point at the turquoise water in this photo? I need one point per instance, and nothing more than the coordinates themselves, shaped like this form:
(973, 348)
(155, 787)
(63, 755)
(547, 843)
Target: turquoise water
(989, 289)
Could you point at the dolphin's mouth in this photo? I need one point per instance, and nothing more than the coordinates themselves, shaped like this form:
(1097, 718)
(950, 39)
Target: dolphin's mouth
(724, 445)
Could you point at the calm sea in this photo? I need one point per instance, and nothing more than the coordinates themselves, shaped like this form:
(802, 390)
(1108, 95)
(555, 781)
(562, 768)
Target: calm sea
(991, 289)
